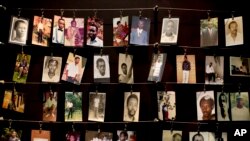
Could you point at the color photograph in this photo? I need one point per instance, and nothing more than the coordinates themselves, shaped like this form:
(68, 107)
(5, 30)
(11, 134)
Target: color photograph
(131, 106)
(157, 67)
(49, 106)
(174, 135)
(97, 102)
(101, 68)
(58, 30)
(239, 66)
(73, 106)
(166, 105)
(14, 101)
(214, 70)
(124, 135)
(51, 69)
(10, 134)
(125, 68)
(95, 31)
(209, 32)
(120, 31)
(205, 105)
(234, 31)
(73, 136)
(169, 31)
(40, 135)
(98, 136)
(186, 69)
(21, 68)
(223, 106)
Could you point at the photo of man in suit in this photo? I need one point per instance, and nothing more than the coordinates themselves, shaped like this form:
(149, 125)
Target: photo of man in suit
(58, 30)
(209, 32)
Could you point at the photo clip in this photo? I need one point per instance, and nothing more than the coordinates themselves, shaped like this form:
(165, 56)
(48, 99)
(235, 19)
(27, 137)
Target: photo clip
(198, 128)
(73, 127)
(239, 87)
(125, 127)
(96, 90)
(140, 13)
(232, 15)
(74, 14)
(19, 12)
(121, 14)
(40, 127)
(42, 13)
(208, 15)
(10, 123)
(172, 126)
(62, 11)
(169, 13)
(131, 89)
(204, 88)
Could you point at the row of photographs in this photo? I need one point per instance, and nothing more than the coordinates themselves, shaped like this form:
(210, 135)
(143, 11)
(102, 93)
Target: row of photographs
(75, 65)
(70, 31)
(229, 106)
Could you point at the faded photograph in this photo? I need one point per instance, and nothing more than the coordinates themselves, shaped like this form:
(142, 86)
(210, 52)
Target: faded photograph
(157, 67)
(49, 106)
(174, 135)
(14, 101)
(40, 135)
(98, 136)
(51, 69)
(131, 106)
(209, 32)
(205, 105)
(234, 31)
(97, 102)
(223, 106)
(166, 105)
(186, 69)
(214, 70)
(101, 68)
(239, 66)
(198, 136)
(120, 31)
(125, 69)
(169, 31)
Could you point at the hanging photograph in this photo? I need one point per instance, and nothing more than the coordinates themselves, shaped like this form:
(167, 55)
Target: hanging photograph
(74, 68)
(223, 106)
(49, 106)
(169, 31)
(213, 137)
(240, 106)
(186, 69)
(120, 31)
(73, 106)
(51, 69)
(73, 136)
(21, 68)
(214, 70)
(125, 68)
(74, 32)
(209, 32)
(18, 30)
(239, 66)
(171, 135)
(58, 30)
(10, 134)
(198, 136)
(97, 102)
(95, 32)
(205, 105)
(131, 106)
(140, 29)
(98, 136)
(166, 105)
(101, 68)
(40, 135)
(157, 67)
(14, 101)
(234, 31)
(41, 34)
(124, 135)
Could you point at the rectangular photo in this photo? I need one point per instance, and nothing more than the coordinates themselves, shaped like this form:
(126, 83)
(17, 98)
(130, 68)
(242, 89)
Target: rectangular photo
(49, 106)
(21, 68)
(169, 31)
(240, 106)
(18, 30)
(51, 69)
(239, 66)
(120, 31)
(98, 136)
(140, 29)
(73, 136)
(157, 67)
(205, 105)
(125, 68)
(40, 135)
(74, 69)
(95, 31)
(58, 30)
(166, 105)
(73, 106)
(97, 102)
(213, 137)
(198, 136)
(14, 101)
(131, 106)
(214, 70)
(234, 31)
(124, 135)
(101, 68)
(41, 34)
(223, 106)
(10, 134)
(174, 135)
(186, 69)
(74, 32)
(209, 32)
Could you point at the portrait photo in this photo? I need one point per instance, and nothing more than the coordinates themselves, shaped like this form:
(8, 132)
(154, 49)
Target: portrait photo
(58, 30)
(124, 135)
(186, 69)
(240, 106)
(157, 67)
(74, 32)
(21, 68)
(101, 68)
(213, 137)
(40, 135)
(209, 32)
(169, 30)
(205, 105)
(95, 31)
(174, 135)
(18, 30)
(201, 136)
(97, 102)
(73, 106)
(74, 68)
(49, 106)
(98, 136)
(140, 29)
(120, 31)
(51, 69)
(131, 106)
(14, 101)
(234, 31)
(223, 106)
(10, 134)
(166, 105)
(239, 66)
(73, 136)
(125, 68)
(214, 70)
(41, 33)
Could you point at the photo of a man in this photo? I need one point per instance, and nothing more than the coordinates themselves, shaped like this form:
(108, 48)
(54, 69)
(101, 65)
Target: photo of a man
(169, 31)
(95, 32)
(214, 70)
(125, 69)
(124, 135)
(21, 68)
(97, 102)
(14, 101)
(166, 105)
(209, 32)
(201, 136)
(73, 106)
(51, 69)
(101, 68)
(157, 67)
(174, 135)
(120, 31)
(58, 30)
(131, 106)
(222, 106)
(49, 106)
(98, 136)
(205, 105)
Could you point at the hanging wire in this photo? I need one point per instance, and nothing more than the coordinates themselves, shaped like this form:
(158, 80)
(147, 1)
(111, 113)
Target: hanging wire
(19, 12)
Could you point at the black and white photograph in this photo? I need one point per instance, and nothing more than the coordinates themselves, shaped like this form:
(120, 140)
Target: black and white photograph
(125, 68)
(213, 137)
(209, 32)
(98, 136)
(201, 136)
(223, 106)
(52, 69)
(205, 105)
(166, 105)
(239, 66)
(131, 106)
(124, 135)
(157, 67)
(73, 106)
(97, 102)
(169, 31)
(18, 30)
(214, 70)
(171, 135)
(101, 68)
